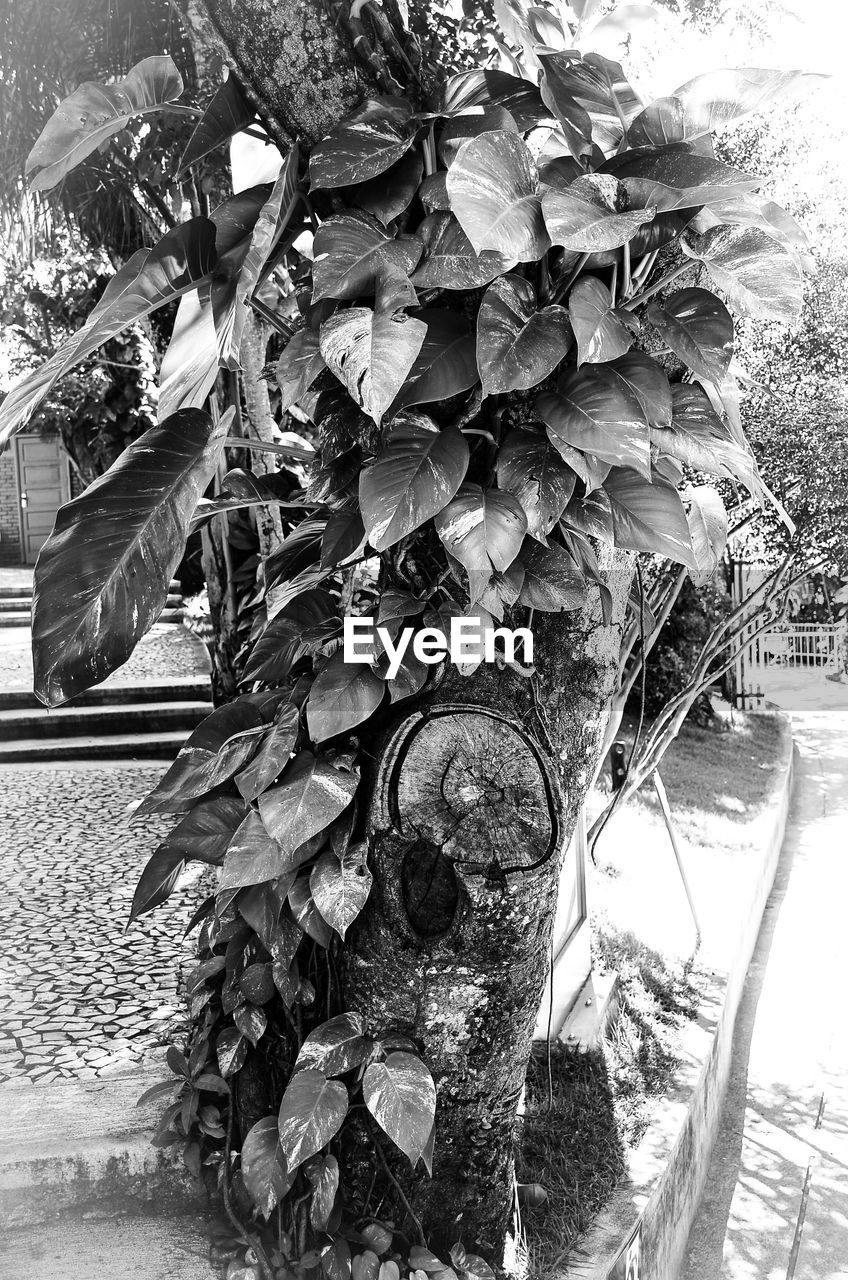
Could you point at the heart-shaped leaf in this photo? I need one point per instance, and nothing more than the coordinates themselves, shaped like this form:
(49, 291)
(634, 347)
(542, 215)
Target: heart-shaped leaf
(597, 86)
(205, 833)
(698, 328)
(129, 528)
(417, 473)
(708, 529)
(699, 437)
(197, 771)
(253, 857)
(157, 881)
(306, 913)
(343, 537)
(482, 528)
(353, 251)
(697, 178)
(231, 1051)
(649, 516)
(325, 1184)
(493, 185)
(340, 886)
(401, 1097)
(336, 1046)
(272, 756)
(311, 1113)
(94, 113)
(446, 363)
(760, 276)
(311, 794)
(371, 354)
(343, 695)
(552, 581)
(602, 332)
(387, 196)
(533, 471)
(228, 113)
(450, 261)
(578, 223)
(263, 1165)
(644, 378)
(518, 345)
(593, 411)
(482, 87)
(288, 635)
(178, 262)
(251, 1022)
(365, 144)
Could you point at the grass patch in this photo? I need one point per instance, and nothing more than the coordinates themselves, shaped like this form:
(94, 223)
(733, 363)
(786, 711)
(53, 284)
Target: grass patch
(570, 1143)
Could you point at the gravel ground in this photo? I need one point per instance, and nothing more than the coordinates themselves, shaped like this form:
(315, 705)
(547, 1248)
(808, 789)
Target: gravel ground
(79, 996)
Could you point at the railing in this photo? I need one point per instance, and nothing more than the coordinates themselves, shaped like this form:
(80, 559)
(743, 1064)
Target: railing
(801, 644)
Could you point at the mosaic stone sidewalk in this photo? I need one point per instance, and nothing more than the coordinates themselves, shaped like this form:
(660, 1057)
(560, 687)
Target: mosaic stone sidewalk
(167, 652)
(79, 996)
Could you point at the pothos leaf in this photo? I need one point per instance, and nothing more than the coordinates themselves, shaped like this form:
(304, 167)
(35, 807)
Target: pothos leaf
(343, 695)
(325, 1184)
(446, 363)
(231, 1051)
(412, 479)
(552, 581)
(387, 196)
(157, 881)
(252, 856)
(401, 1097)
(602, 332)
(707, 519)
(287, 635)
(364, 145)
(518, 345)
(493, 185)
(591, 410)
(343, 537)
(340, 886)
(698, 328)
(578, 222)
(498, 88)
(482, 529)
(450, 261)
(647, 381)
(649, 516)
(371, 354)
(130, 527)
(263, 1165)
(352, 251)
(272, 756)
(336, 1046)
(228, 113)
(699, 437)
(311, 1113)
(94, 112)
(532, 470)
(760, 276)
(306, 913)
(311, 794)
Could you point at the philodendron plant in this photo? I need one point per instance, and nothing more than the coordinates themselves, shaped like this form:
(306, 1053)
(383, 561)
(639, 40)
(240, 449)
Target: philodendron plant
(505, 316)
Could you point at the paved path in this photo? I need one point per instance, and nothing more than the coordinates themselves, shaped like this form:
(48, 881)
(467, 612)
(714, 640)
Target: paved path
(785, 1121)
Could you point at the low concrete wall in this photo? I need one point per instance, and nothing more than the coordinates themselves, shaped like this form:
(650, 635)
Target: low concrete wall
(659, 1199)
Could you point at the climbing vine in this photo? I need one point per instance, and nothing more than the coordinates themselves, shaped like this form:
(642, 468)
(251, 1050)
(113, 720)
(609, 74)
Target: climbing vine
(501, 315)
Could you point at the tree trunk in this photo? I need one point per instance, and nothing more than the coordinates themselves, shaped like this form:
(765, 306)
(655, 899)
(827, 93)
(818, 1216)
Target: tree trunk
(474, 801)
(260, 423)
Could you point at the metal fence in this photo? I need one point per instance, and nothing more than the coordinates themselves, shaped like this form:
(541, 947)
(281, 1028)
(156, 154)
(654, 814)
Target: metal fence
(802, 644)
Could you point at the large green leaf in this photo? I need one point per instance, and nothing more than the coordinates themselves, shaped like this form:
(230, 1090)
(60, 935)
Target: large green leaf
(446, 363)
(263, 1165)
(759, 275)
(401, 1097)
(103, 575)
(179, 262)
(371, 354)
(353, 252)
(603, 333)
(450, 261)
(557, 93)
(649, 516)
(364, 145)
(94, 112)
(311, 794)
(711, 102)
(311, 1113)
(578, 222)
(493, 185)
(483, 529)
(336, 1046)
(598, 86)
(417, 473)
(707, 519)
(343, 695)
(647, 381)
(699, 437)
(340, 886)
(552, 581)
(298, 367)
(533, 471)
(698, 328)
(518, 345)
(593, 411)
(228, 113)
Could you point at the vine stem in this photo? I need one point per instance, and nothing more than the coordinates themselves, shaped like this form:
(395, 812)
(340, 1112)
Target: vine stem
(255, 1242)
(655, 288)
(562, 289)
(399, 1189)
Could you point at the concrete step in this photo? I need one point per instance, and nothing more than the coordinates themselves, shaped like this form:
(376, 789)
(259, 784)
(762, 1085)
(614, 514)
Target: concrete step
(175, 689)
(83, 1147)
(160, 1247)
(124, 719)
(136, 746)
(15, 619)
(9, 604)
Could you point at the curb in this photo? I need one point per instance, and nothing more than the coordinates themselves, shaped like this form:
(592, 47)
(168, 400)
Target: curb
(642, 1233)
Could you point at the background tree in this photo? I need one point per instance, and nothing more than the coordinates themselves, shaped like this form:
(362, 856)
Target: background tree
(507, 354)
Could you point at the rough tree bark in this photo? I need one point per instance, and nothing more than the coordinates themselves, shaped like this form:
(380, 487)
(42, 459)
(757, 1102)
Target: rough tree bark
(486, 773)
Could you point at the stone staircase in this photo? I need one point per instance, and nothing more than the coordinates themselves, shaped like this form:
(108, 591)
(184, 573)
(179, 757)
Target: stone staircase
(145, 710)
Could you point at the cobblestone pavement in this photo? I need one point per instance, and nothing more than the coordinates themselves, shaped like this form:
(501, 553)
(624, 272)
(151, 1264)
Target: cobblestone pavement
(79, 997)
(167, 651)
